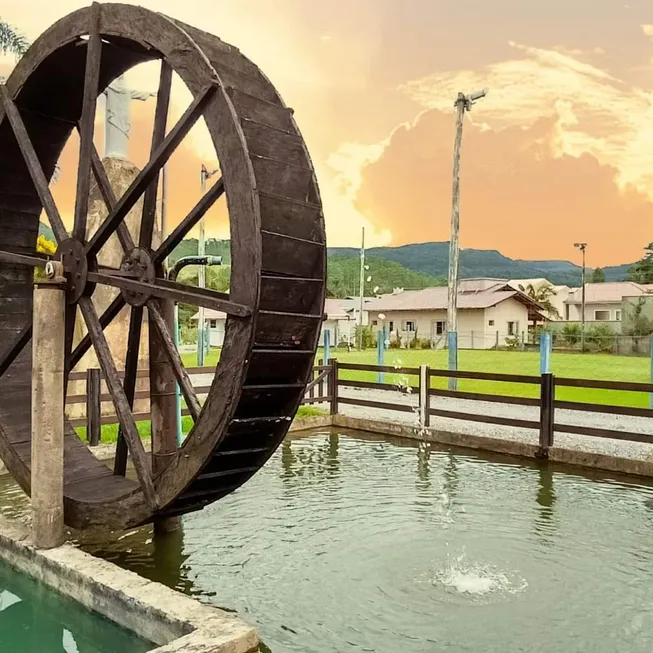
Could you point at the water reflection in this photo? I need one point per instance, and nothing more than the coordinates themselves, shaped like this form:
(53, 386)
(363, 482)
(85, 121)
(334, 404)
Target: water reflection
(545, 524)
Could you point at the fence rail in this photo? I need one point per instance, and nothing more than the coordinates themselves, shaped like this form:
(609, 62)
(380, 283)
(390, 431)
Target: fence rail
(324, 388)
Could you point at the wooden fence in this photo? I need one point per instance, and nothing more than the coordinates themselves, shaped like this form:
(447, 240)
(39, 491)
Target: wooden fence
(327, 380)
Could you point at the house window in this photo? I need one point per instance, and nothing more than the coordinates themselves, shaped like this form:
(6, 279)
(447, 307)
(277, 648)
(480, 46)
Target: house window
(213, 324)
(439, 327)
(391, 327)
(491, 323)
(617, 316)
(375, 322)
(513, 328)
(409, 325)
(601, 316)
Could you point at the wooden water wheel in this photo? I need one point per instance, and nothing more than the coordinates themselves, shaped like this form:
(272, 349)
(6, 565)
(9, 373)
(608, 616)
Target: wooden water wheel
(275, 304)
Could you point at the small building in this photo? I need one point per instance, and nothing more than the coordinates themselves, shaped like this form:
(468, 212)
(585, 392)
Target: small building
(603, 301)
(489, 315)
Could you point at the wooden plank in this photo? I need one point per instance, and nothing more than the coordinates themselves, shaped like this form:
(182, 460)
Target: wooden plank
(290, 256)
(151, 170)
(129, 383)
(360, 367)
(604, 408)
(172, 354)
(87, 122)
(485, 419)
(274, 328)
(290, 294)
(158, 136)
(33, 165)
(120, 402)
(271, 142)
(290, 216)
(267, 113)
(370, 385)
(272, 174)
(317, 400)
(487, 376)
(603, 433)
(382, 405)
(480, 396)
(93, 406)
(604, 385)
(14, 350)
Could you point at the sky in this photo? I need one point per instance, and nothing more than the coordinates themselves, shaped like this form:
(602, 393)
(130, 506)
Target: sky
(560, 150)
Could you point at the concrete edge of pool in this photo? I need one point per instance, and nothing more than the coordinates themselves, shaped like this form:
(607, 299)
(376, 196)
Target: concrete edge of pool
(165, 617)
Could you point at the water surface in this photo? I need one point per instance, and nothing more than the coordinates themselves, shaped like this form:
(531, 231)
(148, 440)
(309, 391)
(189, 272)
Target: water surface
(345, 544)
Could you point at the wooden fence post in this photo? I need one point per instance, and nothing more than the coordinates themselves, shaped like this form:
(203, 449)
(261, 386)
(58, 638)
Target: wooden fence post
(93, 406)
(333, 385)
(424, 396)
(547, 410)
(320, 390)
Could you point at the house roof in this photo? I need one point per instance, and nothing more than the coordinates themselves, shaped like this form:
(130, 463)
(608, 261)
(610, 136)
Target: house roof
(606, 293)
(431, 299)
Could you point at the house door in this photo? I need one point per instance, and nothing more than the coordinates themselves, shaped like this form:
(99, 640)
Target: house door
(438, 331)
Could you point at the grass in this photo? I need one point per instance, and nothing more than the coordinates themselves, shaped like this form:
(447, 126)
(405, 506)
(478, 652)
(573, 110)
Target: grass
(605, 367)
(109, 432)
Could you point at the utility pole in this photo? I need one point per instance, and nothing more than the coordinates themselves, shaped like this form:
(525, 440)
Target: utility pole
(201, 272)
(362, 292)
(582, 247)
(463, 103)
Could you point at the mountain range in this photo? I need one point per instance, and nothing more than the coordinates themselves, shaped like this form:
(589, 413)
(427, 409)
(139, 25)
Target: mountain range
(429, 260)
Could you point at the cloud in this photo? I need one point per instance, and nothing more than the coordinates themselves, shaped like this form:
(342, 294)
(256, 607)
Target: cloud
(519, 193)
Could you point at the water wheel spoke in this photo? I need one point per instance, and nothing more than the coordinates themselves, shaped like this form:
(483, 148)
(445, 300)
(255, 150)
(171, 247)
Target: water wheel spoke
(172, 353)
(131, 370)
(69, 334)
(14, 350)
(87, 123)
(178, 292)
(109, 197)
(120, 401)
(195, 215)
(151, 170)
(105, 319)
(33, 165)
(158, 136)
(35, 260)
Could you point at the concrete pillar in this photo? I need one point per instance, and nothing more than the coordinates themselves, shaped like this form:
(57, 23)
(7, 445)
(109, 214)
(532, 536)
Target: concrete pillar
(48, 409)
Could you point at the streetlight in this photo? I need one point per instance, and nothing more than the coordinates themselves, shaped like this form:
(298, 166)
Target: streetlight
(582, 247)
(201, 273)
(463, 103)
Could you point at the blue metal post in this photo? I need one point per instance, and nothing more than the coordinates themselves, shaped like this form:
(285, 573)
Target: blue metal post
(452, 345)
(180, 431)
(200, 345)
(545, 353)
(380, 350)
(327, 346)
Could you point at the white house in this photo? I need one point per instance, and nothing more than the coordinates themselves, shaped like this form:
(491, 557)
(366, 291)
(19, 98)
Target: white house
(489, 314)
(603, 301)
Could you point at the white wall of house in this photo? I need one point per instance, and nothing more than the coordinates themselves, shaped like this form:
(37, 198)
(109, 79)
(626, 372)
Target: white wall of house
(216, 332)
(596, 312)
(477, 328)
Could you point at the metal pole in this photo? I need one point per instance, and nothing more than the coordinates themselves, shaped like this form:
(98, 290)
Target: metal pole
(454, 249)
(380, 350)
(582, 328)
(48, 397)
(327, 348)
(201, 274)
(180, 430)
(362, 292)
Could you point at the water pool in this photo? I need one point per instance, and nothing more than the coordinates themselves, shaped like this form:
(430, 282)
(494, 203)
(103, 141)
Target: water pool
(347, 543)
(34, 619)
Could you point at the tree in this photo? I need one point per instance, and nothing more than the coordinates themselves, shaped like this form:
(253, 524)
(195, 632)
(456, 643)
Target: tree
(542, 296)
(12, 41)
(642, 271)
(598, 276)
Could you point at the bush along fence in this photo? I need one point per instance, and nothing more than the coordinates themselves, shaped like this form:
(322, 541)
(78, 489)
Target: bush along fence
(329, 379)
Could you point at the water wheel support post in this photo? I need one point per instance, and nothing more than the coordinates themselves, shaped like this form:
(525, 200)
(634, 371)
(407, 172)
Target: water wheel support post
(48, 363)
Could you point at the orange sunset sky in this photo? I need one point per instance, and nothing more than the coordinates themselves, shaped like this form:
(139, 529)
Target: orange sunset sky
(561, 149)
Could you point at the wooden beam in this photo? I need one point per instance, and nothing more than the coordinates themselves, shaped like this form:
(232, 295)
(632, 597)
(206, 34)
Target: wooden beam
(87, 123)
(120, 402)
(160, 122)
(14, 350)
(33, 165)
(36, 261)
(151, 170)
(174, 358)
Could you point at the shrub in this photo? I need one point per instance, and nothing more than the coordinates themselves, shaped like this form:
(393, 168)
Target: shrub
(571, 334)
(513, 342)
(600, 335)
(368, 337)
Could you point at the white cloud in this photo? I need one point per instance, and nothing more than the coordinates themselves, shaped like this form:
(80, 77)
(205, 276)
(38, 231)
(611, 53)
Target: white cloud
(594, 111)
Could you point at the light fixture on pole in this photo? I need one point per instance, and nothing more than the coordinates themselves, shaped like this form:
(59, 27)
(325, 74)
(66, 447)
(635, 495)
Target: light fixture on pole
(201, 272)
(463, 103)
(582, 247)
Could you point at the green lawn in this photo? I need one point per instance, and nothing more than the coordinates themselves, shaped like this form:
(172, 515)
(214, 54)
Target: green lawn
(579, 366)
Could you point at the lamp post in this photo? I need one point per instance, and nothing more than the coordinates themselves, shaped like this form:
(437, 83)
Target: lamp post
(582, 247)
(463, 103)
(201, 273)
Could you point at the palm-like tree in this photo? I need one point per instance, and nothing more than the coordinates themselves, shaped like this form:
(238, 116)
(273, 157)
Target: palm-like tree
(542, 296)
(12, 41)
